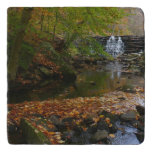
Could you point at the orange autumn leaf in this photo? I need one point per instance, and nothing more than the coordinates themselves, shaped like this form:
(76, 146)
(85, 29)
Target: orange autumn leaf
(110, 125)
(107, 120)
(96, 119)
(101, 116)
(112, 135)
(84, 129)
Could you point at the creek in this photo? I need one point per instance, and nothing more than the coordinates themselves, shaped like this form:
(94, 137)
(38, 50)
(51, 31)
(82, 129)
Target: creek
(88, 83)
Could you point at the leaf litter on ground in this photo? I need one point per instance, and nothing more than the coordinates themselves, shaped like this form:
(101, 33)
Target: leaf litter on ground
(80, 108)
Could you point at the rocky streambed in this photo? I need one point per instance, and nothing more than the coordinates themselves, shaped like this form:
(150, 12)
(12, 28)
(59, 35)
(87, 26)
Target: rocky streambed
(108, 129)
(77, 121)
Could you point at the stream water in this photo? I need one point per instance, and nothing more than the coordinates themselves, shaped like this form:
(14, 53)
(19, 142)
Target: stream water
(88, 83)
(125, 137)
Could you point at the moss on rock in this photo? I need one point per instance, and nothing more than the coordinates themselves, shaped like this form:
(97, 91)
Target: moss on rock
(31, 134)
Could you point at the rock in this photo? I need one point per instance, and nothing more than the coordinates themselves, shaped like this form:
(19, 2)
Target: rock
(140, 110)
(71, 137)
(12, 129)
(142, 119)
(38, 115)
(77, 66)
(78, 130)
(129, 116)
(122, 98)
(140, 123)
(99, 62)
(68, 120)
(102, 125)
(101, 111)
(112, 117)
(45, 82)
(31, 134)
(68, 135)
(92, 129)
(57, 122)
(88, 121)
(87, 61)
(140, 126)
(113, 129)
(140, 136)
(92, 83)
(100, 135)
(68, 73)
(54, 119)
(45, 71)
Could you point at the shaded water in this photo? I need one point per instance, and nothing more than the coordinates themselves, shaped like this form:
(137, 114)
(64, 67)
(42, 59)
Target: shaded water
(88, 83)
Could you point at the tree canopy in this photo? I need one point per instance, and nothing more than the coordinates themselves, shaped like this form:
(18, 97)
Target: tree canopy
(62, 30)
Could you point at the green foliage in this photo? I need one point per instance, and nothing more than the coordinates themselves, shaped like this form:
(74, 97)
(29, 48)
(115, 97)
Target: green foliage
(27, 53)
(49, 51)
(81, 24)
(75, 25)
(13, 21)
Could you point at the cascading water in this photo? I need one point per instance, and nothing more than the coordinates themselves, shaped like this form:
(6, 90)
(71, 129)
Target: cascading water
(115, 47)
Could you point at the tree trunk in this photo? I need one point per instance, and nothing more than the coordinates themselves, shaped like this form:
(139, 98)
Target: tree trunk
(54, 28)
(16, 48)
(42, 18)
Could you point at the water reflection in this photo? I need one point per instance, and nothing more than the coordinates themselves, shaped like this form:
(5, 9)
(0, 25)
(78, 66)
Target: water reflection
(115, 68)
(88, 83)
(95, 83)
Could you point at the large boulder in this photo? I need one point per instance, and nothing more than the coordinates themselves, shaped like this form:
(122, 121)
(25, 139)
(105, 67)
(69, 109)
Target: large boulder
(92, 129)
(113, 117)
(100, 135)
(102, 125)
(57, 122)
(129, 116)
(68, 136)
(88, 121)
(140, 136)
(141, 110)
(31, 134)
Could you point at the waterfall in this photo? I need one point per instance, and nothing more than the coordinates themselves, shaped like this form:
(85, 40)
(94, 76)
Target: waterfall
(115, 47)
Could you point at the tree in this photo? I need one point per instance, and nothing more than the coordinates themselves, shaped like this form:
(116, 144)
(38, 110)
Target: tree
(70, 30)
(16, 48)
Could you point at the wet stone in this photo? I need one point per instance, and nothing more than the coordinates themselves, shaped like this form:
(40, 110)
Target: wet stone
(100, 135)
(54, 119)
(92, 129)
(68, 120)
(78, 130)
(113, 129)
(67, 135)
(57, 122)
(102, 125)
(88, 121)
(129, 116)
(141, 110)
(12, 128)
(140, 136)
